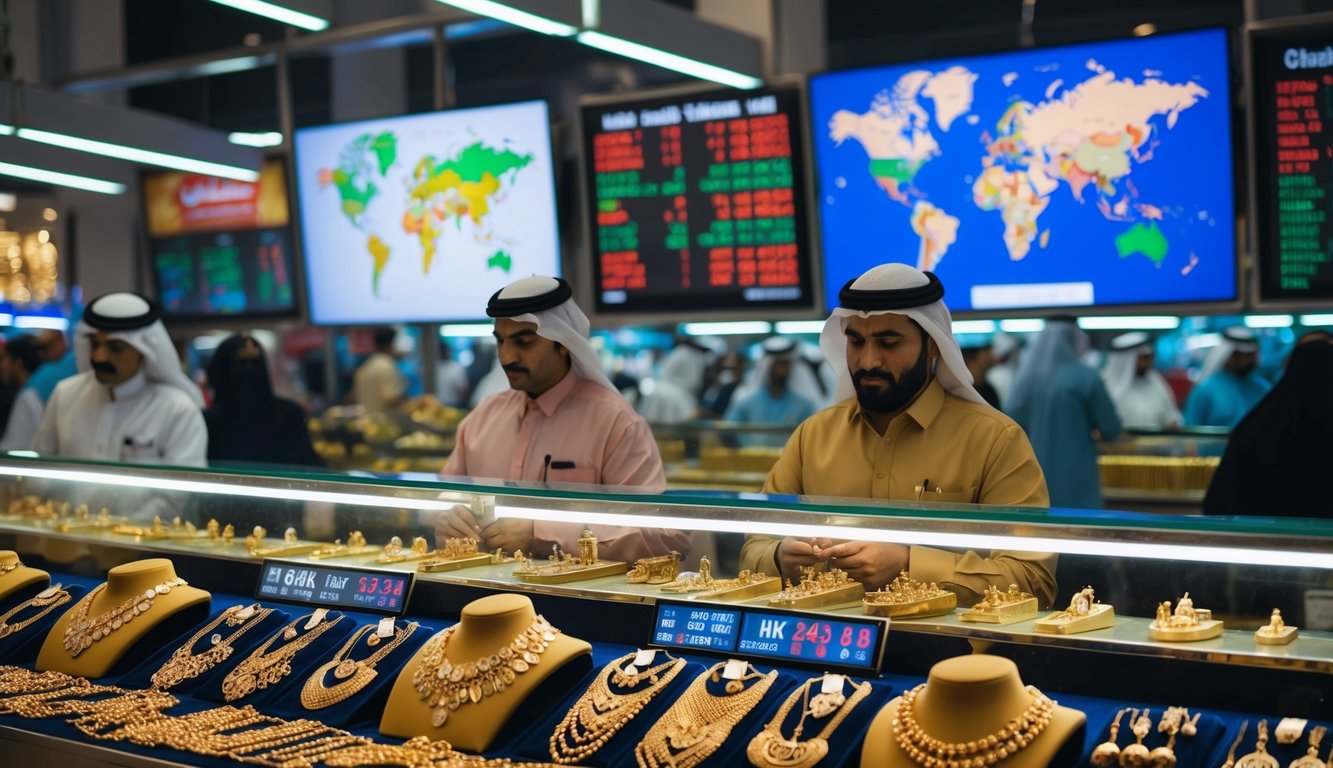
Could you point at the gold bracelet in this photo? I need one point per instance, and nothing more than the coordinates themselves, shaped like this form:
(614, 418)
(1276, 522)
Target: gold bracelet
(354, 674)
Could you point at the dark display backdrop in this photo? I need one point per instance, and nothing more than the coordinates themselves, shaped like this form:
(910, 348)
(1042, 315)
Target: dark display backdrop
(247, 272)
(698, 202)
(1291, 76)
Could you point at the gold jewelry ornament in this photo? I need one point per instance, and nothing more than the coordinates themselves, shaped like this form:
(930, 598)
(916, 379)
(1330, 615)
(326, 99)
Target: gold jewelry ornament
(1311, 757)
(998, 607)
(261, 669)
(819, 589)
(905, 597)
(1136, 754)
(1231, 753)
(446, 686)
(699, 721)
(661, 569)
(82, 632)
(601, 712)
(769, 748)
(47, 600)
(1259, 758)
(1165, 756)
(923, 749)
(185, 664)
(1107, 754)
(354, 674)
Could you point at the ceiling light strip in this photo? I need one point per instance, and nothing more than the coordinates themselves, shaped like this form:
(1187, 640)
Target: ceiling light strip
(85, 183)
(512, 15)
(136, 155)
(658, 57)
(280, 13)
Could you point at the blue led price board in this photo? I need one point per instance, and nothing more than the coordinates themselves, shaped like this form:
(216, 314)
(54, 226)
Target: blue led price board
(370, 590)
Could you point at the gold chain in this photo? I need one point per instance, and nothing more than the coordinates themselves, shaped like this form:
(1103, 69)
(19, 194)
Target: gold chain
(47, 600)
(355, 674)
(446, 686)
(600, 712)
(923, 749)
(261, 669)
(770, 748)
(185, 664)
(699, 722)
(82, 632)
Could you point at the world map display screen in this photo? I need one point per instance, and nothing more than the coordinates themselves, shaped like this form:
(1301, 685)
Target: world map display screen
(1090, 175)
(421, 218)
(1291, 98)
(698, 202)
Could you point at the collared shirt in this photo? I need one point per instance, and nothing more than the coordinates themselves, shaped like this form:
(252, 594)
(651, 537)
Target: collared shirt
(759, 406)
(969, 453)
(1222, 400)
(378, 382)
(575, 432)
(1147, 403)
(146, 423)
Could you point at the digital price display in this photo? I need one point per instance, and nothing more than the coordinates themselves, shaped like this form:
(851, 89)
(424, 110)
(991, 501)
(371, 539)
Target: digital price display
(328, 586)
(698, 202)
(792, 637)
(1291, 100)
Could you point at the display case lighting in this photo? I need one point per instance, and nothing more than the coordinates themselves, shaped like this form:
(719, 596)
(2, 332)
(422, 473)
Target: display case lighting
(41, 321)
(973, 541)
(1269, 321)
(466, 330)
(974, 326)
(735, 328)
(278, 12)
(1023, 325)
(1311, 321)
(793, 327)
(1130, 323)
(86, 183)
(6, 318)
(249, 139)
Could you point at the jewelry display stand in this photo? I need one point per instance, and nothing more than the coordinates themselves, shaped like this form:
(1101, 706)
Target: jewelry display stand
(966, 699)
(17, 579)
(1084, 614)
(745, 586)
(152, 621)
(998, 607)
(819, 589)
(1186, 624)
(907, 598)
(488, 626)
(1275, 632)
(1198, 737)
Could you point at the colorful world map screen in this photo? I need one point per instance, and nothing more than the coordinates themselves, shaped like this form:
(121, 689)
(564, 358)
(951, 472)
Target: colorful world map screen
(1090, 175)
(421, 218)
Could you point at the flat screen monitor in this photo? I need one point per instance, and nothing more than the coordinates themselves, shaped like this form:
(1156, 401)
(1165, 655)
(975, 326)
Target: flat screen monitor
(1086, 175)
(421, 218)
(221, 248)
(1291, 103)
(697, 203)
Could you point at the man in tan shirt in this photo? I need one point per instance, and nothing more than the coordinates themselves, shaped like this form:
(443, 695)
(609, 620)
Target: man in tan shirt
(907, 425)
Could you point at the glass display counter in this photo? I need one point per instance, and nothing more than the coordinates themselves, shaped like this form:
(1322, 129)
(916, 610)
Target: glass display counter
(77, 520)
(415, 439)
(1161, 469)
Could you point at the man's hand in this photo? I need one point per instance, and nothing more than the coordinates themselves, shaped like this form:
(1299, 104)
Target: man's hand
(873, 564)
(455, 522)
(509, 534)
(795, 554)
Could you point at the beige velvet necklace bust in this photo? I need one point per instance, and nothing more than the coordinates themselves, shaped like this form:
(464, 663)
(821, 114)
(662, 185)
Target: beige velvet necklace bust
(486, 626)
(15, 576)
(122, 583)
(968, 698)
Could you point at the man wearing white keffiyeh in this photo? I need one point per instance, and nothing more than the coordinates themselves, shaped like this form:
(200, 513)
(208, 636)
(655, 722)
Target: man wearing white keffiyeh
(908, 426)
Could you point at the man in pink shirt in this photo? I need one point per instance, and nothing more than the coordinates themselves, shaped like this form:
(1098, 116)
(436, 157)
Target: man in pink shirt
(561, 422)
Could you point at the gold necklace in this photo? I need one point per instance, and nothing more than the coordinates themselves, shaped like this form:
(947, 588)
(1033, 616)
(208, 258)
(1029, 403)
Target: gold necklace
(185, 663)
(770, 748)
(261, 669)
(445, 686)
(923, 749)
(48, 600)
(355, 674)
(600, 712)
(82, 632)
(699, 722)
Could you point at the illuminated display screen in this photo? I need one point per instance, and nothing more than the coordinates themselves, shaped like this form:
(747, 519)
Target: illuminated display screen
(785, 636)
(1292, 101)
(698, 202)
(324, 586)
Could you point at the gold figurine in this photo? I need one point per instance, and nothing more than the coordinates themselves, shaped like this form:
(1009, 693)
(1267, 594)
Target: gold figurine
(455, 554)
(1276, 632)
(746, 585)
(998, 607)
(662, 569)
(1185, 624)
(819, 590)
(1084, 614)
(257, 543)
(907, 598)
(563, 567)
(356, 545)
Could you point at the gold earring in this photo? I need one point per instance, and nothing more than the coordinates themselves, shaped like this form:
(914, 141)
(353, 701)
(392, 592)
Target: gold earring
(1107, 754)
(1136, 754)
(1165, 757)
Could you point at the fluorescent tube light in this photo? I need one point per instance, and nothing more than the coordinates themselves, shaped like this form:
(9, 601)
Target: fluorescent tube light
(264, 139)
(511, 15)
(1023, 325)
(737, 328)
(1133, 323)
(592, 13)
(6, 318)
(973, 541)
(672, 61)
(799, 326)
(278, 13)
(466, 330)
(41, 321)
(136, 155)
(6, 130)
(1269, 321)
(1313, 320)
(62, 179)
(974, 326)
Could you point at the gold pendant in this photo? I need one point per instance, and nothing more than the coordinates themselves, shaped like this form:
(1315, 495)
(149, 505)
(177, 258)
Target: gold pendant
(770, 749)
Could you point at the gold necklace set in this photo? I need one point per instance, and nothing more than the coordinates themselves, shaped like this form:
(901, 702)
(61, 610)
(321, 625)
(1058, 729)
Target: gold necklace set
(185, 664)
(82, 632)
(699, 721)
(923, 749)
(354, 674)
(446, 686)
(770, 749)
(46, 601)
(601, 712)
(261, 668)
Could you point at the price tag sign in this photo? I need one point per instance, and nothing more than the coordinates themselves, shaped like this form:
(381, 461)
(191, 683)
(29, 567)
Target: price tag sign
(853, 644)
(369, 590)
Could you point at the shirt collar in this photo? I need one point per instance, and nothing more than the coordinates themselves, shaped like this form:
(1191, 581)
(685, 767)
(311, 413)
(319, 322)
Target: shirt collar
(923, 409)
(131, 387)
(551, 399)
